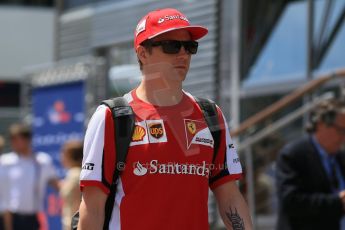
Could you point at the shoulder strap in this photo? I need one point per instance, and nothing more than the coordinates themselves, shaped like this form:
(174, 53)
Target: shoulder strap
(124, 121)
(210, 113)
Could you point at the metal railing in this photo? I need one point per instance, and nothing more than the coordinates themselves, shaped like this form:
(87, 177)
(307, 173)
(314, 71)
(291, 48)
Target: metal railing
(287, 100)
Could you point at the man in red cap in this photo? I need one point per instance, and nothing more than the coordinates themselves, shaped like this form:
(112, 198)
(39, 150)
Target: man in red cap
(171, 162)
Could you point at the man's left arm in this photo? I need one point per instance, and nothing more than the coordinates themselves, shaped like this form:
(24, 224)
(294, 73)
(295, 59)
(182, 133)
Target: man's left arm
(227, 169)
(232, 207)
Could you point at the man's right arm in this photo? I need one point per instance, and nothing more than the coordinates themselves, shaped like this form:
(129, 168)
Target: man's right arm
(98, 168)
(91, 210)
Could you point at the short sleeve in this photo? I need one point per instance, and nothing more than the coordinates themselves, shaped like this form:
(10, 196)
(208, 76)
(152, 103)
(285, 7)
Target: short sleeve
(227, 166)
(99, 151)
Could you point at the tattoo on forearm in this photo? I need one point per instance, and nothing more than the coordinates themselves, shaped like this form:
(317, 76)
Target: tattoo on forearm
(235, 220)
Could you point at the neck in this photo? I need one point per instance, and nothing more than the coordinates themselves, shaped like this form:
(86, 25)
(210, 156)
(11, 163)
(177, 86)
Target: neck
(25, 152)
(160, 91)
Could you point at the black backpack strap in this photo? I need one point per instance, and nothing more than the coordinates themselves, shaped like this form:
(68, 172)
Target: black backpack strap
(124, 122)
(209, 110)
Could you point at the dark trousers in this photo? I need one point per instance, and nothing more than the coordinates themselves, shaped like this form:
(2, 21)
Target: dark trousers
(25, 222)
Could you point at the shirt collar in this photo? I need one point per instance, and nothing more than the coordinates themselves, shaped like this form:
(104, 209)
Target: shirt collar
(323, 153)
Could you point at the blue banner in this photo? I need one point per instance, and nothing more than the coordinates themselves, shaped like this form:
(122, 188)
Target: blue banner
(58, 116)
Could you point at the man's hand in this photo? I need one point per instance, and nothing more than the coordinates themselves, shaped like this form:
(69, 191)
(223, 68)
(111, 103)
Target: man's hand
(342, 198)
(91, 210)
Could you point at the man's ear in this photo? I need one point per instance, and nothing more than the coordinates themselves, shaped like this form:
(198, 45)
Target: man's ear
(142, 54)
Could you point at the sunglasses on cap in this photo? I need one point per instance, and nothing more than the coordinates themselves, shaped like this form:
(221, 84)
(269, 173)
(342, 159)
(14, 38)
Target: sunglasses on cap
(174, 46)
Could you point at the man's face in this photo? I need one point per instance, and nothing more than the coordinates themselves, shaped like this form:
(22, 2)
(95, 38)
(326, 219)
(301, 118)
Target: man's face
(339, 127)
(335, 134)
(174, 66)
(19, 143)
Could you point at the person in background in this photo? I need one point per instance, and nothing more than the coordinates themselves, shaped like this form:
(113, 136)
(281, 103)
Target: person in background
(311, 173)
(71, 158)
(26, 176)
(2, 144)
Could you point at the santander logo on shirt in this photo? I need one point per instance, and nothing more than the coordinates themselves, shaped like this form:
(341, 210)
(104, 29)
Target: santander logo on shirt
(154, 167)
(139, 169)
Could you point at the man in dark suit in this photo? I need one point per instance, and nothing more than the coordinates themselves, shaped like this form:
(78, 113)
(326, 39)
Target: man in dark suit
(311, 173)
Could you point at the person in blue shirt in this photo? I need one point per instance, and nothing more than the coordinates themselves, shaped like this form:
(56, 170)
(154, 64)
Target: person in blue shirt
(310, 176)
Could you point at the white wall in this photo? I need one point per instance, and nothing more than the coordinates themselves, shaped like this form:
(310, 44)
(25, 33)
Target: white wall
(26, 38)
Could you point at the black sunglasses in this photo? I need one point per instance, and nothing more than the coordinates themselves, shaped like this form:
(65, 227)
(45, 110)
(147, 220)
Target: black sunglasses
(174, 46)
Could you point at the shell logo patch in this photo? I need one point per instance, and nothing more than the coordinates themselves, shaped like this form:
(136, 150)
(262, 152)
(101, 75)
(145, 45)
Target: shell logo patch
(197, 132)
(139, 133)
(139, 136)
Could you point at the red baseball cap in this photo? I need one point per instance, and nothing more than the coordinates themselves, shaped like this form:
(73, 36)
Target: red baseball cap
(164, 20)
